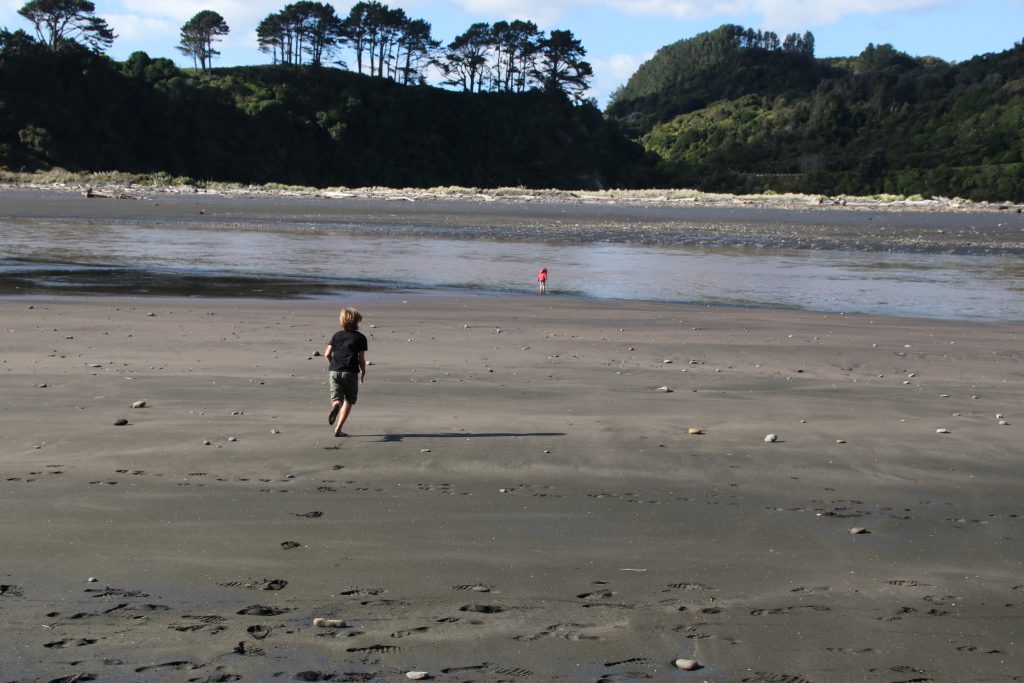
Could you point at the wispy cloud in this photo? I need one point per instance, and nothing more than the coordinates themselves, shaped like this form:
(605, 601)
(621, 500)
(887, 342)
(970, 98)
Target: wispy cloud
(613, 71)
(786, 14)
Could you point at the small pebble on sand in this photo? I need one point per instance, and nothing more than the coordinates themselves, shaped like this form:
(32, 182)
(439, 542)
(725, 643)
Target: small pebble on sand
(417, 675)
(942, 431)
(321, 622)
(695, 430)
(686, 664)
(664, 390)
(92, 579)
(858, 530)
(120, 422)
(275, 431)
(206, 442)
(424, 450)
(139, 404)
(771, 438)
(232, 438)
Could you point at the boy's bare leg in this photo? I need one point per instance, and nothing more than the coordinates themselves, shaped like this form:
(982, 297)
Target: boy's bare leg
(333, 415)
(346, 408)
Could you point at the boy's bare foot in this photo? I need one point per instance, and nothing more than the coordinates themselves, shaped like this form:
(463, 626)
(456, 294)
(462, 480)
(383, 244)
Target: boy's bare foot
(340, 434)
(333, 415)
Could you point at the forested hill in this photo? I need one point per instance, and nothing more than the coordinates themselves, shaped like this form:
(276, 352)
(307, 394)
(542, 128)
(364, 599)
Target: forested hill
(292, 124)
(739, 110)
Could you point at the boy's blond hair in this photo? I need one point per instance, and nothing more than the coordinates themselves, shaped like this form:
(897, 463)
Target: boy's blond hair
(350, 318)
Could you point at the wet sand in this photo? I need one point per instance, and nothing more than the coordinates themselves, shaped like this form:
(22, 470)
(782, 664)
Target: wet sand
(518, 500)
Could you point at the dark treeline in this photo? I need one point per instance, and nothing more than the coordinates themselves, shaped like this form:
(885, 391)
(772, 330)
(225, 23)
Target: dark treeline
(724, 112)
(80, 110)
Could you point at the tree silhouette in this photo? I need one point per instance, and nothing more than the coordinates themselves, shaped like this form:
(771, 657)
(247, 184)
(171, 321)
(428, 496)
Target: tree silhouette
(59, 22)
(198, 34)
(561, 66)
(466, 58)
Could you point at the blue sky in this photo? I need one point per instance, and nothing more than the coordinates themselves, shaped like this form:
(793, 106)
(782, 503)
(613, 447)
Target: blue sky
(618, 34)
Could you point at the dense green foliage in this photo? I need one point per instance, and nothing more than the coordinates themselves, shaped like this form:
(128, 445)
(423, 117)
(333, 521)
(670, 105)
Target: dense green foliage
(82, 111)
(724, 115)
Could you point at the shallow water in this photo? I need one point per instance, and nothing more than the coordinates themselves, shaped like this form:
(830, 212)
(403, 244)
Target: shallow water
(88, 255)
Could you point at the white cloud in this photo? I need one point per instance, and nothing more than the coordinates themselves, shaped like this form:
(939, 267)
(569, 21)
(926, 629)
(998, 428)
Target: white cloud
(781, 14)
(544, 13)
(784, 14)
(611, 72)
(134, 29)
(235, 12)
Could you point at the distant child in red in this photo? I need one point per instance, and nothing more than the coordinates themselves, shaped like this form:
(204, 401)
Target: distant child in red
(542, 280)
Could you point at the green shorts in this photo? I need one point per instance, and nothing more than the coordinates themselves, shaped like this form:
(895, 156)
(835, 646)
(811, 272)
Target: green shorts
(344, 386)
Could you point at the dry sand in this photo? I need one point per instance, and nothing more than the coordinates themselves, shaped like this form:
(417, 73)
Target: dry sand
(517, 501)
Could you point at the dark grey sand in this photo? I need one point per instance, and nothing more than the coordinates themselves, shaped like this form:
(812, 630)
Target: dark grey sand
(513, 505)
(783, 222)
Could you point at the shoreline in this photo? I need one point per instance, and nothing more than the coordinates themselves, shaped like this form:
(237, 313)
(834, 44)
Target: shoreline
(787, 222)
(126, 186)
(521, 497)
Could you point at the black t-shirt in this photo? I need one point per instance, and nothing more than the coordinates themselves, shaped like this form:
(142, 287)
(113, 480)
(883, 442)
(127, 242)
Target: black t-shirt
(346, 347)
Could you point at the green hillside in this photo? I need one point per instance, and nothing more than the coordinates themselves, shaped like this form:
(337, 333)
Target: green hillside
(725, 114)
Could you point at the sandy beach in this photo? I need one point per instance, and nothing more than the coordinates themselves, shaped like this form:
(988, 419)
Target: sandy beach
(521, 498)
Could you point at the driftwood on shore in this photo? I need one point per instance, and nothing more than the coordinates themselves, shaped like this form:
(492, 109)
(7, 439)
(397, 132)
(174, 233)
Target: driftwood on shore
(130, 188)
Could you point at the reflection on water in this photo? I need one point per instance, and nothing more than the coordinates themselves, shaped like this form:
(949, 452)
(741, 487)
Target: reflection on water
(86, 256)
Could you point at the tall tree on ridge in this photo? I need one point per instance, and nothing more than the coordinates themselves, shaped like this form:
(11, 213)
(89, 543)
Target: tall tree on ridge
(198, 35)
(465, 62)
(561, 66)
(59, 22)
(419, 48)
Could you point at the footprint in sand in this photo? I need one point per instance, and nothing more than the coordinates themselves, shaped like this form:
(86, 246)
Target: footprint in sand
(769, 677)
(115, 592)
(941, 600)
(409, 632)
(634, 660)
(476, 588)
(178, 665)
(10, 591)
(259, 632)
(792, 609)
(571, 632)
(376, 649)
(362, 592)
(263, 611)
(257, 584)
(690, 586)
(909, 583)
(482, 609)
(248, 651)
(75, 642)
(207, 618)
(903, 670)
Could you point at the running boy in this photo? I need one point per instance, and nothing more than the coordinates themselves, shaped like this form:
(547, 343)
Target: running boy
(346, 354)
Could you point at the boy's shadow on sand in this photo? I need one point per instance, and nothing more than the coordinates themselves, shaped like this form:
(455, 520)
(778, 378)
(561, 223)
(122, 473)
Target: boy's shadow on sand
(387, 438)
